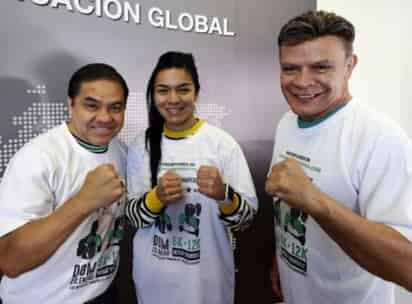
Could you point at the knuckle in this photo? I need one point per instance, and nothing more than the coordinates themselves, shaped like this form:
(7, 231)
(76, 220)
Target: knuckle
(107, 167)
(162, 182)
(118, 192)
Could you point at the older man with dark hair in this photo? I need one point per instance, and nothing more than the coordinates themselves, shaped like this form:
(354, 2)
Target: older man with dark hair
(60, 198)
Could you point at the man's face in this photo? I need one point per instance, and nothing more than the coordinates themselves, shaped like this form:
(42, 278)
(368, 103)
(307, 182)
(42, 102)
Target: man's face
(97, 112)
(314, 76)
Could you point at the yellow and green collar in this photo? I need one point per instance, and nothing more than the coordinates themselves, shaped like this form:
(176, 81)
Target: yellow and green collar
(184, 133)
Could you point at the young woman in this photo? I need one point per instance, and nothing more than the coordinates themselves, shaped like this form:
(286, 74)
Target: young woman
(189, 187)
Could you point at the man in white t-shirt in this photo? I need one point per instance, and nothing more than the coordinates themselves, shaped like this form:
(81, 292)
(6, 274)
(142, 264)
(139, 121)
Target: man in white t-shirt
(341, 177)
(61, 200)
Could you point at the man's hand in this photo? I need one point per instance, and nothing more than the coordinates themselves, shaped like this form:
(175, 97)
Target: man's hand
(169, 189)
(35, 242)
(102, 187)
(210, 182)
(289, 182)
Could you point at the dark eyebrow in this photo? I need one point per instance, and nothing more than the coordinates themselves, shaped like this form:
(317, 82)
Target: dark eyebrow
(161, 85)
(289, 64)
(186, 84)
(119, 102)
(178, 86)
(322, 62)
(92, 99)
(89, 98)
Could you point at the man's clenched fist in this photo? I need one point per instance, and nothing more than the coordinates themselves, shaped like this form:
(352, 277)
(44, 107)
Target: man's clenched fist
(102, 187)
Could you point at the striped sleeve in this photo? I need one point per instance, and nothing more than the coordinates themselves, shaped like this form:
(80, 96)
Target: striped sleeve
(240, 217)
(139, 214)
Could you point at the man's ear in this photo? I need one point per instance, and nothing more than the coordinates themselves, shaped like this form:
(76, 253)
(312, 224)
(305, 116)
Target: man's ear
(351, 63)
(70, 105)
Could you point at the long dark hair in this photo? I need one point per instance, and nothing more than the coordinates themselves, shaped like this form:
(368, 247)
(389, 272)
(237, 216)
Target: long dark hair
(154, 132)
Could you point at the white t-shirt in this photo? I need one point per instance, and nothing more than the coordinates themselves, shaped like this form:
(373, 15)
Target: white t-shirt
(362, 160)
(185, 255)
(44, 174)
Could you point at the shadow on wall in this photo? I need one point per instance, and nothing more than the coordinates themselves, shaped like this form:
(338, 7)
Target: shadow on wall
(15, 100)
(32, 107)
(126, 292)
(255, 246)
(19, 122)
(54, 71)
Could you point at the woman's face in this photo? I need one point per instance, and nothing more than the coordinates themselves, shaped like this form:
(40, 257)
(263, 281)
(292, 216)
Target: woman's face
(175, 97)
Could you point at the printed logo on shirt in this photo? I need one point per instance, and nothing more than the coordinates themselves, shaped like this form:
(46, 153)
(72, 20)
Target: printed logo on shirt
(292, 230)
(179, 235)
(302, 160)
(163, 222)
(290, 224)
(183, 245)
(91, 244)
(104, 267)
(187, 172)
(189, 221)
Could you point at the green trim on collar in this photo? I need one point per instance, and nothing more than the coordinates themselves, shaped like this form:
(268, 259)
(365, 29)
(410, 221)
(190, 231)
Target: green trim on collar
(303, 124)
(184, 133)
(90, 147)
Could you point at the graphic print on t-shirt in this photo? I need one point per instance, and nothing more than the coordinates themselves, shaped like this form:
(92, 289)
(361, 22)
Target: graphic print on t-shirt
(94, 267)
(90, 244)
(178, 234)
(163, 222)
(189, 220)
(290, 223)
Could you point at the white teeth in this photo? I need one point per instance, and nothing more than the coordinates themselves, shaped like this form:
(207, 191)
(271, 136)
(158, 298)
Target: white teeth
(173, 111)
(102, 130)
(306, 96)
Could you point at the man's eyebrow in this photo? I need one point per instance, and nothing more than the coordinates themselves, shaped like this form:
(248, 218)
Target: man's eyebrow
(92, 99)
(325, 61)
(89, 98)
(289, 64)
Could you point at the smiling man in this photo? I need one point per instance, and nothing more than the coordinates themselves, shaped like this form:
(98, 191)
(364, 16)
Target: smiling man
(341, 177)
(61, 196)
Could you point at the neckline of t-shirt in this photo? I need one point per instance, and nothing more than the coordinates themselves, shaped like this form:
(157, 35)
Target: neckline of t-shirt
(331, 116)
(84, 146)
(179, 135)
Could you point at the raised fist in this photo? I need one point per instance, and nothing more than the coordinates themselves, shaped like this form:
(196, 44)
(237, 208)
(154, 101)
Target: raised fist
(169, 189)
(102, 187)
(288, 181)
(210, 182)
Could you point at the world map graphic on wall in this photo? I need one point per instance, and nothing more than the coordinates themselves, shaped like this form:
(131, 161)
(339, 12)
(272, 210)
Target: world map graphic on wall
(40, 116)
